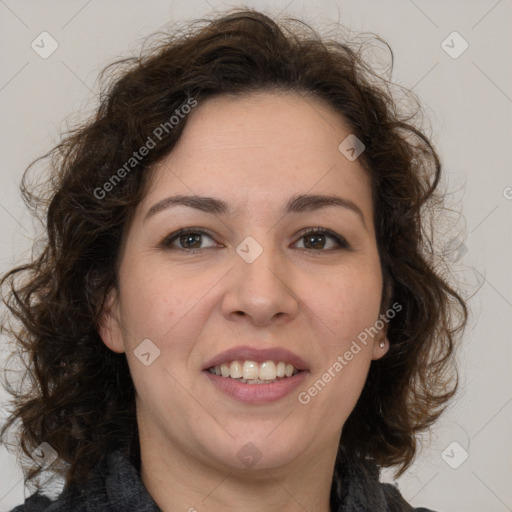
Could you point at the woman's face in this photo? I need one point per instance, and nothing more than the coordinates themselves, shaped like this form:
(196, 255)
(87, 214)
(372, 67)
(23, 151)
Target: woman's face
(250, 284)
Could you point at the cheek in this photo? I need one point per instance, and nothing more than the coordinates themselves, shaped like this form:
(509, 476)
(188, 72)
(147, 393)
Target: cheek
(345, 304)
(151, 300)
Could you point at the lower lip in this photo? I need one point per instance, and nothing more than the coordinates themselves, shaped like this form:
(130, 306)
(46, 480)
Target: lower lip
(256, 393)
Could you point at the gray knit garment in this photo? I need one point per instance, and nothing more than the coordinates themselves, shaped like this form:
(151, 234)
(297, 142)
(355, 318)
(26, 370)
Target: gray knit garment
(116, 486)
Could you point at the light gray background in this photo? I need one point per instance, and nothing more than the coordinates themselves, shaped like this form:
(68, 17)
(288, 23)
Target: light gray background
(468, 102)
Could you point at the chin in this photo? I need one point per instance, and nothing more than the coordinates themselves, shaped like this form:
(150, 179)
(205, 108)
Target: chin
(259, 449)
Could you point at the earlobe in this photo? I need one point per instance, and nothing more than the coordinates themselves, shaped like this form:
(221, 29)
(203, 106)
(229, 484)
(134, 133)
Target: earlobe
(109, 327)
(380, 348)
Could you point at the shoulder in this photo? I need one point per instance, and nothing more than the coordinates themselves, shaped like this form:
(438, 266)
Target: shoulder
(35, 503)
(114, 485)
(396, 501)
(357, 486)
(65, 502)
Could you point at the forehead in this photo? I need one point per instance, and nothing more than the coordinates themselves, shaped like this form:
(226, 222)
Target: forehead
(261, 148)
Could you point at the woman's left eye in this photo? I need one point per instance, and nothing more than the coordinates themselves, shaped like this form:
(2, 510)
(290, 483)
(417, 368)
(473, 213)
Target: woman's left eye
(314, 239)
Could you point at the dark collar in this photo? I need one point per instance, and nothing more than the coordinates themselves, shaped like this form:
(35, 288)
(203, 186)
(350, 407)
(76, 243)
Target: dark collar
(356, 488)
(114, 486)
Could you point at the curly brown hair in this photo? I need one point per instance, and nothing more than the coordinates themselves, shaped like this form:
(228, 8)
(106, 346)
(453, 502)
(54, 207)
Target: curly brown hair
(80, 396)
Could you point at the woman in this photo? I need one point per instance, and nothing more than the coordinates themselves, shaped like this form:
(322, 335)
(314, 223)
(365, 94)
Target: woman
(237, 304)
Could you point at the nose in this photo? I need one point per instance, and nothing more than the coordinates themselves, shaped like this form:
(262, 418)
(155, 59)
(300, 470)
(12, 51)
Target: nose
(261, 291)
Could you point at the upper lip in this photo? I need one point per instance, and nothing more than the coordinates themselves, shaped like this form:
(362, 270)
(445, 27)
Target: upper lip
(258, 355)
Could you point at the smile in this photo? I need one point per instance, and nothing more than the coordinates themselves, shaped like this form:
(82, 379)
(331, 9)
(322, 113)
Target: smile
(251, 372)
(256, 390)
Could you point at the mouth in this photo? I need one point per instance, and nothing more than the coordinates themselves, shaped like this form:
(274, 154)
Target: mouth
(252, 372)
(256, 376)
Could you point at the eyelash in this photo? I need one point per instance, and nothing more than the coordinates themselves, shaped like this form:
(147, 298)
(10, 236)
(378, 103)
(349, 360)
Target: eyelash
(167, 242)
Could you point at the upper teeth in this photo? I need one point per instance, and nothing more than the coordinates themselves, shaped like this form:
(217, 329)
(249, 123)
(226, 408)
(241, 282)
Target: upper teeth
(267, 370)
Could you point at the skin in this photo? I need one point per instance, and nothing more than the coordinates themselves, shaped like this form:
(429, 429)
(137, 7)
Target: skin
(253, 152)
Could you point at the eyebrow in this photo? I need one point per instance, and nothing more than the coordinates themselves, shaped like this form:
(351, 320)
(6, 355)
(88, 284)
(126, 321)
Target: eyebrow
(297, 204)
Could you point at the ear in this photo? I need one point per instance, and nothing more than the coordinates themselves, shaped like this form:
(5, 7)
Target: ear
(109, 326)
